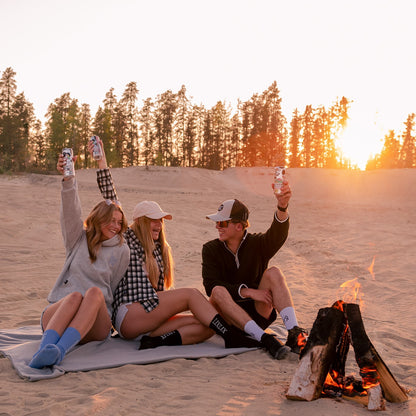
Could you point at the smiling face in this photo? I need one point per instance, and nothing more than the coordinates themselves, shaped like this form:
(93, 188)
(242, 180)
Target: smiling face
(112, 228)
(155, 228)
(227, 230)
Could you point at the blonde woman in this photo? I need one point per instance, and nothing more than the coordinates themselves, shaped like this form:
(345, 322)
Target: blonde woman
(81, 300)
(141, 303)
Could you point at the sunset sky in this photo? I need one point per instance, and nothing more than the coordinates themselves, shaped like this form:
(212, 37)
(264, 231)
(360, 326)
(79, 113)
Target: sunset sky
(317, 51)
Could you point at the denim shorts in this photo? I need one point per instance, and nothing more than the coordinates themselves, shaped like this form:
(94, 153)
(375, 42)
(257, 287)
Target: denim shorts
(120, 315)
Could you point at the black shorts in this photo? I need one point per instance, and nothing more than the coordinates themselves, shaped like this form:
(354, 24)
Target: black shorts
(261, 321)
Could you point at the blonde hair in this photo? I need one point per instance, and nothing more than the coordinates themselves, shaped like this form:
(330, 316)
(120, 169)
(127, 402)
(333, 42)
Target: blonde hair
(101, 214)
(141, 227)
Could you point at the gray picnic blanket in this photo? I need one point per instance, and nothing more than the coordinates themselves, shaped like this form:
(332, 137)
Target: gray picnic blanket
(20, 344)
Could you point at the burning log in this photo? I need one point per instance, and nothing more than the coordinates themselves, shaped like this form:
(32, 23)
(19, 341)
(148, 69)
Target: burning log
(317, 356)
(367, 356)
(321, 370)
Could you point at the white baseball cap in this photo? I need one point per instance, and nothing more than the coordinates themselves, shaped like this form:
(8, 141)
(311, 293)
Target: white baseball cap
(150, 209)
(231, 209)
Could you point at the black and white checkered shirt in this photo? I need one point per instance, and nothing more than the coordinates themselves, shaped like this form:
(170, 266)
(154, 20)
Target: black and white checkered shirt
(135, 286)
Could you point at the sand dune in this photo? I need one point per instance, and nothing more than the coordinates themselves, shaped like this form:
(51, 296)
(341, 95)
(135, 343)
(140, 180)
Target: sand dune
(341, 223)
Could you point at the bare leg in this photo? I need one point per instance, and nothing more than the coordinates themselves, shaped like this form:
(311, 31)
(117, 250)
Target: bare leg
(190, 329)
(73, 319)
(137, 321)
(274, 281)
(224, 303)
(88, 315)
(222, 300)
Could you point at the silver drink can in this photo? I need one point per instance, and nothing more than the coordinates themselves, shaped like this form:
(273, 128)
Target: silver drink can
(96, 153)
(69, 170)
(279, 174)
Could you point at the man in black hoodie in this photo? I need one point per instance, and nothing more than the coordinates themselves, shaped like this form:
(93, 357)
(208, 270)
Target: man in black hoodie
(238, 280)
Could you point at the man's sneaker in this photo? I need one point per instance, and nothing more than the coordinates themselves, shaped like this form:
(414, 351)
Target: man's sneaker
(274, 347)
(296, 339)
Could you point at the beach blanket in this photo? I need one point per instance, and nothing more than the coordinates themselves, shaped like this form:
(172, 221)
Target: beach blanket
(20, 344)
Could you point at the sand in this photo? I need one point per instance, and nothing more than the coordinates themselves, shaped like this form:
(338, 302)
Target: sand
(357, 226)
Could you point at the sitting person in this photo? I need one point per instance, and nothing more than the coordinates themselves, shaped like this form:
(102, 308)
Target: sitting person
(238, 280)
(141, 303)
(97, 256)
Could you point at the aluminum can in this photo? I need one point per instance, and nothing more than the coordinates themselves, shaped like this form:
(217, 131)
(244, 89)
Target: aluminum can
(96, 153)
(69, 169)
(279, 174)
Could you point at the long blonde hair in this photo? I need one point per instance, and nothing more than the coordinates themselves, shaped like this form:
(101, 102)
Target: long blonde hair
(101, 214)
(141, 227)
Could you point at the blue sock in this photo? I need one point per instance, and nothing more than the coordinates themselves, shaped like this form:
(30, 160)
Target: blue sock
(51, 354)
(42, 357)
(47, 356)
(69, 339)
(50, 336)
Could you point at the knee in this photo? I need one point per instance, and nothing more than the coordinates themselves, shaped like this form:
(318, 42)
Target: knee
(192, 292)
(219, 294)
(274, 276)
(94, 294)
(74, 298)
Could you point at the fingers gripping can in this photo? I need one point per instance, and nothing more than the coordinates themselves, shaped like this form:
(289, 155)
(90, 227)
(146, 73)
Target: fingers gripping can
(96, 153)
(279, 174)
(69, 170)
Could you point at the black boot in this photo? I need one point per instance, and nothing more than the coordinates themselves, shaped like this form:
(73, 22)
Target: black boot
(274, 347)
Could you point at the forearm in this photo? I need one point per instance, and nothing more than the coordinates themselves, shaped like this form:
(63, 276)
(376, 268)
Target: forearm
(106, 184)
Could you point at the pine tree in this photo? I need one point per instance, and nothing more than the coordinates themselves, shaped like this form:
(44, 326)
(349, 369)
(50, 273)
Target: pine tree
(180, 126)
(307, 124)
(294, 139)
(128, 103)
(407, 154)
(38, 146)
(16, 119)
(165, 108)
(85, 134)
(390, 153)
(146, 132)
(62, 128)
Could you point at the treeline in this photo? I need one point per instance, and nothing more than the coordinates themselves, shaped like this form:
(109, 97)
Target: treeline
(169, 130)
(399, 149)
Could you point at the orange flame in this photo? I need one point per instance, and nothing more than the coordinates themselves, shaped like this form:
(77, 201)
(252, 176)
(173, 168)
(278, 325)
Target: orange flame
(351, 291)
(302, 338)
(370, 377)
(371, 268)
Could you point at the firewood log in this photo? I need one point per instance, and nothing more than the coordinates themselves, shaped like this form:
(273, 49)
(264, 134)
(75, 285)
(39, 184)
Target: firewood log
(317, 356)
(367, 356)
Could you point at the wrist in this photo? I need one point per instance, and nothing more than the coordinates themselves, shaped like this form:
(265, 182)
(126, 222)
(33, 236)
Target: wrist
(282, 209)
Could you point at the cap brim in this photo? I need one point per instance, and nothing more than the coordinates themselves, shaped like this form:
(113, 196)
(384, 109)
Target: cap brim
(160, 215)
(218, 217)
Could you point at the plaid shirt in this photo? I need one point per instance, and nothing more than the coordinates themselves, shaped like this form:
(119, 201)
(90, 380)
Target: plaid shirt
(135, 286)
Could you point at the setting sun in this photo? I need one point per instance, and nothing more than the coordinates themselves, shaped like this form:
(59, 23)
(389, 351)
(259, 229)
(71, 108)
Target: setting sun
(361, 139)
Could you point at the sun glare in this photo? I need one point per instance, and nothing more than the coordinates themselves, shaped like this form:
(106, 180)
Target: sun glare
(360, 140)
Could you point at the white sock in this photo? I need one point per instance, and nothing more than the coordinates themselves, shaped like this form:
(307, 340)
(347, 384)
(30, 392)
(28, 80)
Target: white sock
(253, 330)
(289, 317)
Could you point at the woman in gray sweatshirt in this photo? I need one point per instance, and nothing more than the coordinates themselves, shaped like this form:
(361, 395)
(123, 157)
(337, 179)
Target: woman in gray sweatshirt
(96, 258)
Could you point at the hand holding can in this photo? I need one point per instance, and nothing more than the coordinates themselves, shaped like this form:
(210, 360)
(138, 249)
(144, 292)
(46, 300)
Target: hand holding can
(68, 168)
(279, 174)
(97, 154)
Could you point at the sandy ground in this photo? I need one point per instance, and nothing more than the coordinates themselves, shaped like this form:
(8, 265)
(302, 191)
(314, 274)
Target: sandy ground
(345, 226)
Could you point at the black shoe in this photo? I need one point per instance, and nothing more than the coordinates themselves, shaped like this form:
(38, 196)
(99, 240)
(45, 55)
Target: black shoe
(274, 347)
(296, 339)
(236, 338)
(147, 342)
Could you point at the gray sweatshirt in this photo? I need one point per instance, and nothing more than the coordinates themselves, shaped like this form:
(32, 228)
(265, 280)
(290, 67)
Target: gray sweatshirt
(79, 273)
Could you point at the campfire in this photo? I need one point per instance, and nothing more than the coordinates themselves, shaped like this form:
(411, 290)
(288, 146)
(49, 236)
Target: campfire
(321, 370)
